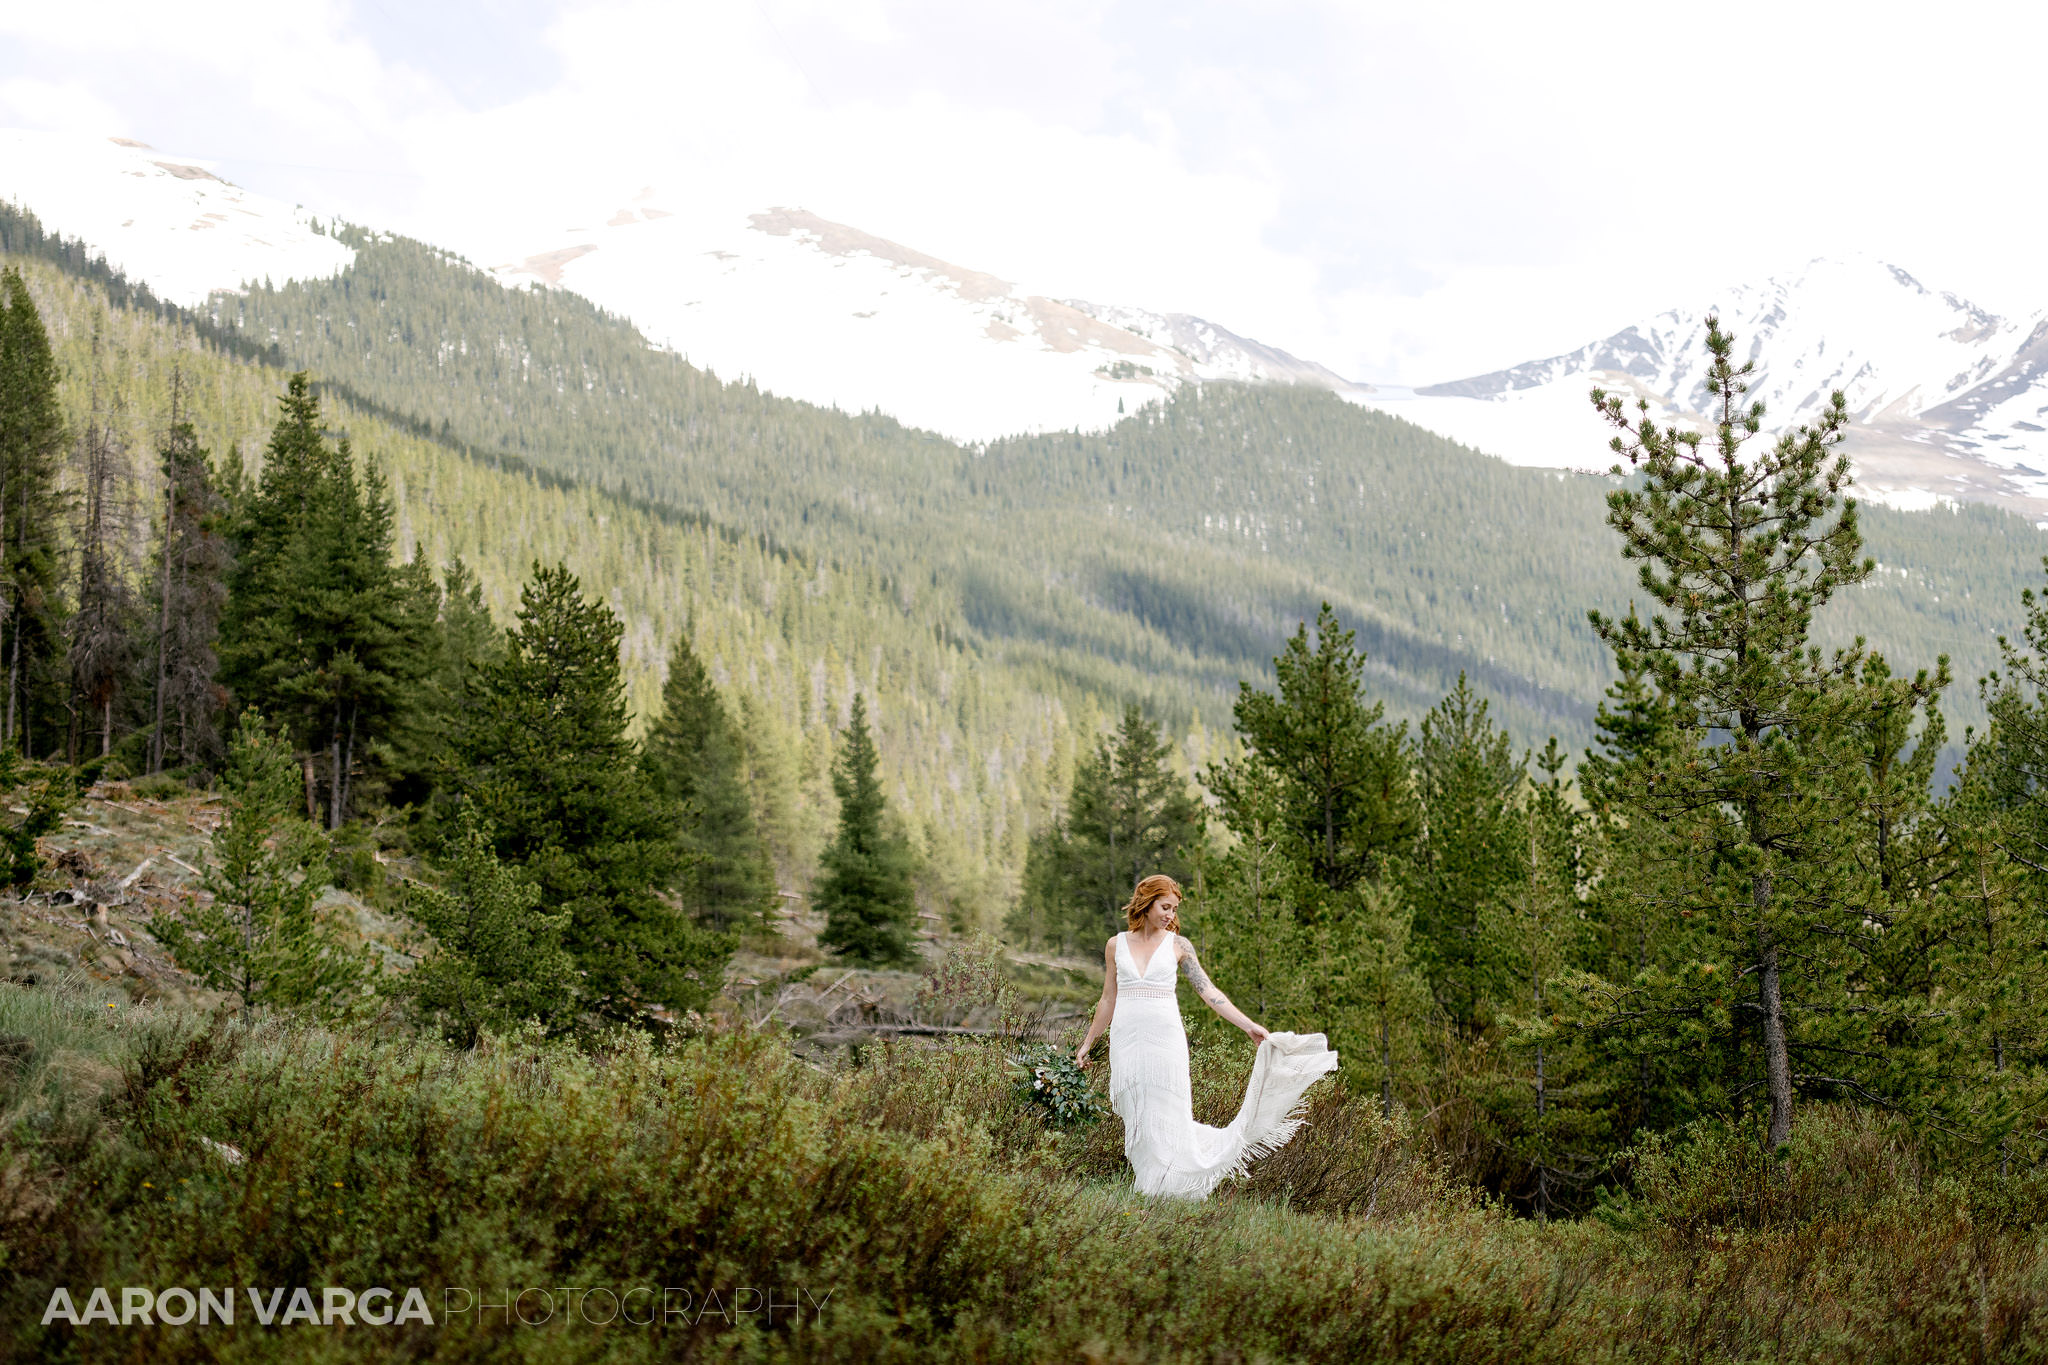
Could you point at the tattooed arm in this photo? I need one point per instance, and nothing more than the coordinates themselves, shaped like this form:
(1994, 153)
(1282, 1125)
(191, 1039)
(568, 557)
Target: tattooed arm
(1215, 999)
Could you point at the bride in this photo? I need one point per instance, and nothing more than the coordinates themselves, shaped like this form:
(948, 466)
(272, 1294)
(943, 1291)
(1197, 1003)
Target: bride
(1148, 1058)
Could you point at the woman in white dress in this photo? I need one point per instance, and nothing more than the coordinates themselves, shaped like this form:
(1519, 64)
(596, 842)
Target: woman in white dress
(1170, 1153)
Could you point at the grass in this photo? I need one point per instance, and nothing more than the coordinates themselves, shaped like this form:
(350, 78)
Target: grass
(931, 1212)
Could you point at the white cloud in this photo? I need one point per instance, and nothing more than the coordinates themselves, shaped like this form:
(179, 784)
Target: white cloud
(62, 105)
(1405, 193)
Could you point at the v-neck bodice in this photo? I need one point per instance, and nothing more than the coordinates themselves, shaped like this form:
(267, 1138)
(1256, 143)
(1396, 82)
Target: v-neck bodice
(1149, 982)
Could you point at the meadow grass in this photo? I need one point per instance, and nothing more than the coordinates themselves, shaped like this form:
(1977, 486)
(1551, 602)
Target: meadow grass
(943, 1220)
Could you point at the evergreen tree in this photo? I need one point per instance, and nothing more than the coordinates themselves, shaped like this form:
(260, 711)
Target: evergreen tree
(460, 640)
(1129, 815)
(1384, 987)
(695, 758)
(1553, 1112)
(1741, 550)
(1302, 957)
(32, 440)
(1659, 1076)
(1248, 898)
(189, 593)
(45, 796)
(1989, 1077)
(865, 887)
(320, 627)
(1994, 823)
(1467, 780)
(1345, 771)
(259, 938)
(548, 764)
(497, 959)
(103, 626)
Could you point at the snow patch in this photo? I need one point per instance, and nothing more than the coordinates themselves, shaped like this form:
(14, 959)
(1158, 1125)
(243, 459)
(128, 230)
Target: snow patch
(165, 221)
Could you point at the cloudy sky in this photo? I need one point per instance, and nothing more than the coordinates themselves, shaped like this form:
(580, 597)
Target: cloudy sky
(1408, 193)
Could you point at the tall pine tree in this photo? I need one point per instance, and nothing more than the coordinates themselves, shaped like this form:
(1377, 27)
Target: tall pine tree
(1737, 551)
(865, 889)
(320, 628)
(32, 440)
(695, 757)
(1468, 780)
(1344, 771)
(1129, 815)
(188, 595)
(103, 633)
(547, 762)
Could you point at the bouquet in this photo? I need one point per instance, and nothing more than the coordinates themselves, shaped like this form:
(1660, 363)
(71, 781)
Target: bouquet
(1050, 1079)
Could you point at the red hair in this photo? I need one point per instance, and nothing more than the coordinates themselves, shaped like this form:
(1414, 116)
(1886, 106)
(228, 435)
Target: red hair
(1149, 891)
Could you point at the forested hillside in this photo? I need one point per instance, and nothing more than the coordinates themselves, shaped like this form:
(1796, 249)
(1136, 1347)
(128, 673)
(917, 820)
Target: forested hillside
(1001, 603)
(1164, 560)
(970, 746)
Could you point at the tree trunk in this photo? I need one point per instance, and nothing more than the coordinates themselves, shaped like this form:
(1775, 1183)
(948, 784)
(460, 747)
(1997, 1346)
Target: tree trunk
(1777, 1056)
(1386, 1069)
(14, 678)
(163, 627)
(312, 787)
(348, 766)
(334, 776)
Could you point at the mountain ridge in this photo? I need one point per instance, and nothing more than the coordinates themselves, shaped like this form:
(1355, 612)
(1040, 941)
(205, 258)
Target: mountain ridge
(1949, 402)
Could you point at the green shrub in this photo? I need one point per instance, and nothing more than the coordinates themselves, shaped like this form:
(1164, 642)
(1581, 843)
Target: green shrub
(159, 787)
(944, 1219)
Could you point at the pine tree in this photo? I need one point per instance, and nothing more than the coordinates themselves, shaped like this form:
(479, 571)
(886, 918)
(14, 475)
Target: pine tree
(189, 593)
(32, 440)
(1383, 985)
(259, 937)
(1302, 957)
(45, 797)
(1994, 823)
(1345, 771)
(103, 625)
(1741, 550)
(1659, 1075)
(1128, 816)
(320, 627)
(1247, 904)
(695, 757)
(865, 886)
(1990, 1052)
(1467, 780)
(547, 762)
(497, 959)
(459, 640)
(1554, 1116)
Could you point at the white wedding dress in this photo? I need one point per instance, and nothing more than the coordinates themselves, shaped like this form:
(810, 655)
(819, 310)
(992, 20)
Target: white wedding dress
(1149, 1089)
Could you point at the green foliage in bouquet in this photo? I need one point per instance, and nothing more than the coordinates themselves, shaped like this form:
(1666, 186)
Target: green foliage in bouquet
(1049, 1078)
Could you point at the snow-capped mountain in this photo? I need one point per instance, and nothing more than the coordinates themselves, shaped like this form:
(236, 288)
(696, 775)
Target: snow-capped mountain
(818, 310)
(1950, 402)
(161, 219)
(808, 308)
